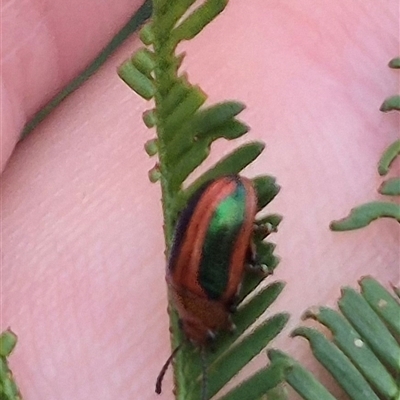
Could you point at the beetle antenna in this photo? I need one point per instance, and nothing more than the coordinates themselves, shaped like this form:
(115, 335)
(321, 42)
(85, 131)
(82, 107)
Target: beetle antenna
(204, 371)
(160, 376)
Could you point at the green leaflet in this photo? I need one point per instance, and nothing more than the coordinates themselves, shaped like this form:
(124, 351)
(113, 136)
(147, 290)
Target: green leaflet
(395, 63)
(391, 187)
(301, 379)
(368, 324)
(391, 104)
(136, 80)
(198, 20)
(8, 341)
(363, 215)
(151, 147)
(149, 118)
(264, 381)
(382, 302)
(388, 157)
(266, 188)
(8, 388)
(265, 256)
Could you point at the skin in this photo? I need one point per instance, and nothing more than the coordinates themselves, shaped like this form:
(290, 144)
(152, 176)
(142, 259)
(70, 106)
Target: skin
(82, 247)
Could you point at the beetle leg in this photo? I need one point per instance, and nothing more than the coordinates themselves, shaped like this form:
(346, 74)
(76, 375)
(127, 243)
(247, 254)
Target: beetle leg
(258, 269)
(263, 230)
(231, 327)
(253, 265)
(210, 335)
(232, 308)
(252, 257)
(233, 303)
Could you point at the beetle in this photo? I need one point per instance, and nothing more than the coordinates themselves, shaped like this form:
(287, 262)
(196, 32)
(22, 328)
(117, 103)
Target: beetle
(211, 246)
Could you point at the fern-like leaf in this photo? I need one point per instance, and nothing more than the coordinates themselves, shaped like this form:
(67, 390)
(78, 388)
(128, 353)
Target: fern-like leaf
(8, 388)
(186, 128)
(363, 215)
(364, 353)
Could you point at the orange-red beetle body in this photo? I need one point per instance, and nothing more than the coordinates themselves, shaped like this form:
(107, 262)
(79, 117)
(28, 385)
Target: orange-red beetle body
(211, 247)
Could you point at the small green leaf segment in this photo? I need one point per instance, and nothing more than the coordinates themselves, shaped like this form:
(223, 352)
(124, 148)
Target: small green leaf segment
(363, 215)
(393, 102)
(8, 388)
(363, 353)
(186, 128)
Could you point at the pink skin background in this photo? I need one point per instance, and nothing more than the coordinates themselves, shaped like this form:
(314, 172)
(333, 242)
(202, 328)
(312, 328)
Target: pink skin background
(82, 244)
